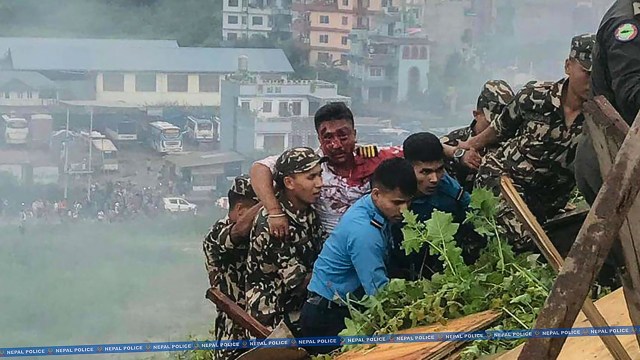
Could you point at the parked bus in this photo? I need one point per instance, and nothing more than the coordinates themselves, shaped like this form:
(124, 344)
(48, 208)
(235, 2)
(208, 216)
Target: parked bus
(200, 130)
(104, 154)
(16, 130)
(122, 131)
(165, 137)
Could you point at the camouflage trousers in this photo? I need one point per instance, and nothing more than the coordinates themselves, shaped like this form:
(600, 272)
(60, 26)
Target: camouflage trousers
(226, 329)
(515, 233)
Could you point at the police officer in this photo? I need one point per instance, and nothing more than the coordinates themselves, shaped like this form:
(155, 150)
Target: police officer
(225, 248)
(279, 271)
(353, 259)
(616, 76)
(437, 190)
(494, 96)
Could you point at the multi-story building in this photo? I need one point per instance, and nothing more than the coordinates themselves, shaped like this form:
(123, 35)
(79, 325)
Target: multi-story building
(247, 18)
(389, 63)
(272, 115)
(323, 26)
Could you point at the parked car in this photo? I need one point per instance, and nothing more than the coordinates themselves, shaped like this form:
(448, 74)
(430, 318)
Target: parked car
(177, 204)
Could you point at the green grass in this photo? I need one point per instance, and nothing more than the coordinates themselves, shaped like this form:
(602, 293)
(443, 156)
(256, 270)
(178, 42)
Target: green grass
(89, 283)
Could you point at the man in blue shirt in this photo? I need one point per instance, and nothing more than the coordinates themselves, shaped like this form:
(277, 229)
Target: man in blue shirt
(353, 259)
(437, 190)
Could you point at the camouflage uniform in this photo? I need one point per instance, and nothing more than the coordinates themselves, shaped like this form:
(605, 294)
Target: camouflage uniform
(537, 151)
(495, 95)
(226, 266)
(277, 269)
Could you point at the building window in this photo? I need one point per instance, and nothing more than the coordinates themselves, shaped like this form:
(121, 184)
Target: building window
(324, 38)
(324, 57)
(345, 40)
(6, 95)
(112, 82)
(177, 83)
(245, 105)
(233, 3)
(414, 52)
(345, 2)
(232, 19)
(345, 20)
(324, 19)
(29, 95)
(256, 20)
(145, 82)
(375, 71)
(344, 59)
(266, 107)
(232, 36)
(209, 83)
(423, 52)
(244, 20)
(283, 109)
(406, 52)
(274, 143)
(296, 108)
(20, 95)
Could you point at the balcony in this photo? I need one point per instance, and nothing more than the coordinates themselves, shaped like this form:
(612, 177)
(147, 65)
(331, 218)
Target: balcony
(317, 5)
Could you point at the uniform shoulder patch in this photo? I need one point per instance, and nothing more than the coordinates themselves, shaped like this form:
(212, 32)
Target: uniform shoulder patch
(376, 224)
(368, 151)
(626, 32)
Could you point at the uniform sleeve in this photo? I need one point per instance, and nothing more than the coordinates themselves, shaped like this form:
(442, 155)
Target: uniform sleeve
(624, 68)
(506, 125)
(214, 247)
(269, 162)
(263, 285)
(366, 250)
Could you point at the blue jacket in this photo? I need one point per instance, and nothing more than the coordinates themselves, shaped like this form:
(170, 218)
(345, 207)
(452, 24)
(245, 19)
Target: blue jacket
(354, 255)
(449, 197)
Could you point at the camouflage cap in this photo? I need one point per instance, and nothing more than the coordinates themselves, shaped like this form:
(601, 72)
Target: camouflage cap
(581, 47)
(297, 160)
(242, 186)
(495, 95)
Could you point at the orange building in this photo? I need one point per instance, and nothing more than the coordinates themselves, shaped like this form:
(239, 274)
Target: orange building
(323, 26)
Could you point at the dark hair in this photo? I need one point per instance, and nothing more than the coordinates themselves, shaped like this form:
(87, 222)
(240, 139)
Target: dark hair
(235, 198)
(395, 173)
(333, 111)
(423, 146)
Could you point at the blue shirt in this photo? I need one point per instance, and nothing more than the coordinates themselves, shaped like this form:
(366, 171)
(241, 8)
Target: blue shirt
(354, 254)
(449, 197)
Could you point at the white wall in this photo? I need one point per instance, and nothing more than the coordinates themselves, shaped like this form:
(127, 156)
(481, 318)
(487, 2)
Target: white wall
(161, 96)
(257, 102)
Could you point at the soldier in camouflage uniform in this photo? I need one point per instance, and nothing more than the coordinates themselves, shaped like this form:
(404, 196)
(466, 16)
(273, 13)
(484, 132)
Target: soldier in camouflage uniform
(495, 95)
(225, 249)
(279, 270)
(538, 134)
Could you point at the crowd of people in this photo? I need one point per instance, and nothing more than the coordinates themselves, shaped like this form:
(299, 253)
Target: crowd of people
(307, 229)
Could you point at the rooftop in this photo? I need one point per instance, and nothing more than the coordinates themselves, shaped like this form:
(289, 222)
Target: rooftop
(52, 56)
(7, 43)
(24, 81)
(196, 159)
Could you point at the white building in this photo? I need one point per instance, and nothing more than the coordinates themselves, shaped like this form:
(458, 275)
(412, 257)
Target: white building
(279, 114)
(26, 89)
(247, 18)
(146, 76)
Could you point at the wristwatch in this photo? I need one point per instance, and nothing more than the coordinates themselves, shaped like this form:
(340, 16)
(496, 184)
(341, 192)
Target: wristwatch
(458, 154)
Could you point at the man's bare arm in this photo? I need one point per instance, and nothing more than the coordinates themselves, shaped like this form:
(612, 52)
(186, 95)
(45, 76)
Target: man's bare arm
(262, 183)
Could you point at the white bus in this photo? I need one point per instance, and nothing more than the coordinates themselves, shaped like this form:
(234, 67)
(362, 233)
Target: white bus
(122, 131)
(165, 137)
(107, 154)
(16, 130)
(201, 129)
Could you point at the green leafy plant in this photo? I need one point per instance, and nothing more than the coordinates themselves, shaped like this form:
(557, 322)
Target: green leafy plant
(516, 285)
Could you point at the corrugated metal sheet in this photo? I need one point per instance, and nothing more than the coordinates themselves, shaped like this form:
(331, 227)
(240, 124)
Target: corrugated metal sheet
(157, 59)
(7, 43)
(31, 79)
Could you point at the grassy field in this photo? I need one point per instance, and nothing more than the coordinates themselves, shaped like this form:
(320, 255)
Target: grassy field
(90, 283)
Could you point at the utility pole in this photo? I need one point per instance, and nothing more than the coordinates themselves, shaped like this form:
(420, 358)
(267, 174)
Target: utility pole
(90, 149)
(66, 158)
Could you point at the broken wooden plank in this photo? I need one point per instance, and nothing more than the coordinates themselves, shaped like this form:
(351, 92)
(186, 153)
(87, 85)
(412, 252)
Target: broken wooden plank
(552, 255)
(600, 229)
(426, 350)
(613, 308)
(237, 314)
(608, 131)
